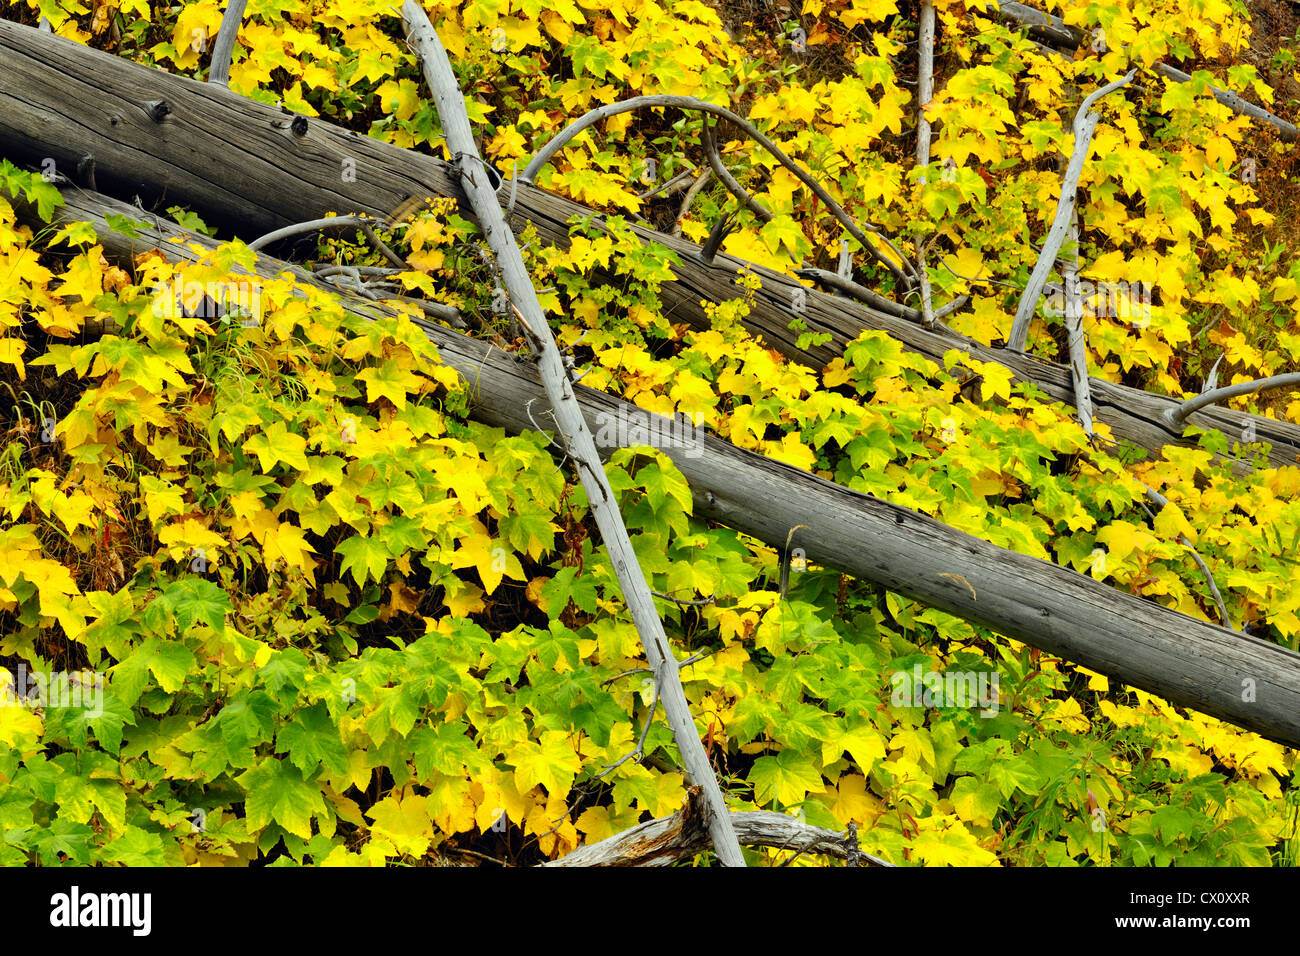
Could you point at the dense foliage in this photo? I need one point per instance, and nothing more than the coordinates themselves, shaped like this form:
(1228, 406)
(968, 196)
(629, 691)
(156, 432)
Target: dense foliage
(341, 623)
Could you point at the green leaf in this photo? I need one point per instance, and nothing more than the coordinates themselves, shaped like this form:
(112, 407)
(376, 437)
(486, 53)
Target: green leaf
(785, 779)
(364, 556)
(247, 720)
(277, 793)
(195, 599)
(568, 585)
(127, 227)
(312, 739)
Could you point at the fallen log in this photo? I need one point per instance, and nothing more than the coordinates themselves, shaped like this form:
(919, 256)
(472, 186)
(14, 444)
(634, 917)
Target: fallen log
(1238, 678)
(251, 168)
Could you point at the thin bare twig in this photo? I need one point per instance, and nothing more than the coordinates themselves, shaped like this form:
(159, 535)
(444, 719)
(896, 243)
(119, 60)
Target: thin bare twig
(1160, 501)
(689, 198)
(724, 175)
(363, 223)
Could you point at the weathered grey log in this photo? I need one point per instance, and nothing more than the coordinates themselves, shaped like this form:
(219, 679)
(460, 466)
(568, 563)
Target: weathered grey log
(1241, 679)
(669, 840)
(251, 168)
(576, 435)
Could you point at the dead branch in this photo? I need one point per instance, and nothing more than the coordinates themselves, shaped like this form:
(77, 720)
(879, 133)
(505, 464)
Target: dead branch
(904, 273)
(224, 47)
(1085, 122)
(572, 425)
(1176, 417)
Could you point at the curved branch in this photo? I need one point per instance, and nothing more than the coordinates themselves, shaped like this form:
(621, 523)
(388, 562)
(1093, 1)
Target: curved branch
(720, 170)
(224, 47)
(545, 154)
(1176, 418)
(302, 228)
(1160, 501)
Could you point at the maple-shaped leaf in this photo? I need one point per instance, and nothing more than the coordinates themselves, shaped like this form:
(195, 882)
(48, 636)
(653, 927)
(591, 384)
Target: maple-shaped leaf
(161, 498)
(552, 762)
(489, 558)
(784, 779)
(248, 720)
(364, 556)
(137, 847)
(568, 585)
(289, 542)
(311, 739)
(277, 793)
(278, 444)
(529, 531)
(951, 845)
(975, 801)
(403, 820)
(864, 745)
(851, 802)
(391, 381)
(84, 276)
(659, 793)
(195, 599)
(170, 663)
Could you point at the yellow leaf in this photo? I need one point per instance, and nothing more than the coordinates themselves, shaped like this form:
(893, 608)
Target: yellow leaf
(183, 535)
(451, 806)
(492, 559)
(863, 10)
(792, 451)
(11, 353)
(850, 801)
(289, 542)
(403, 820)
